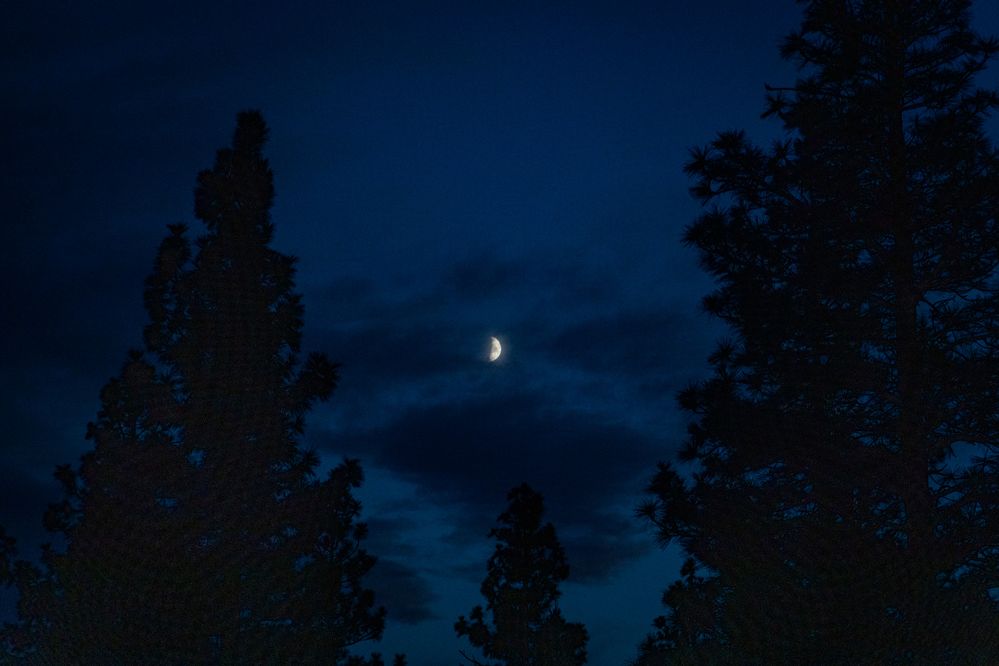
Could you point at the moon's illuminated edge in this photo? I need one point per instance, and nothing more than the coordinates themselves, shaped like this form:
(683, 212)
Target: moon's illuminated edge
(495, 349)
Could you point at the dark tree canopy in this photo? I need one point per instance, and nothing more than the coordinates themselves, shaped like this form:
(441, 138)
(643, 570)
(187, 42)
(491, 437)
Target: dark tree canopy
(521, 592)
(830, 519)
(196, 529)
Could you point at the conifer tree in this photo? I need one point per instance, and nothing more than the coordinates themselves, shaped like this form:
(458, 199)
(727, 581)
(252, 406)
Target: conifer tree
(829, 519)
(196, 529)
(521, 592)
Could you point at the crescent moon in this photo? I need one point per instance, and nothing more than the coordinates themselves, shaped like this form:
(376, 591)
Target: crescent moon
(495, 349)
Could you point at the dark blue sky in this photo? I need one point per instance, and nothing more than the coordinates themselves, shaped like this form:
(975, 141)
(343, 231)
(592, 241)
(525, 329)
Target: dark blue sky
(445, 172)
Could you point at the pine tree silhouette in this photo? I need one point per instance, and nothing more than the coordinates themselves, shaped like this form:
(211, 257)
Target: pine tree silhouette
(826, 522)
(521, 592)
(196, 530)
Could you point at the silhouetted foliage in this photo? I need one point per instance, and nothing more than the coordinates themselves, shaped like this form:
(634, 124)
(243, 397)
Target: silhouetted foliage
(829, 520)
(521, 592)
(375, 660)
(8, 551)
(196, 530)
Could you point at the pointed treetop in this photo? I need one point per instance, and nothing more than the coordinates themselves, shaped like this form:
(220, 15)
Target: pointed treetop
(239, 189)
(251, 133)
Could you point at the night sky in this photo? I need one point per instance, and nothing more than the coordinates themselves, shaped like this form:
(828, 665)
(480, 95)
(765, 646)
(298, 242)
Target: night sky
(445, 173)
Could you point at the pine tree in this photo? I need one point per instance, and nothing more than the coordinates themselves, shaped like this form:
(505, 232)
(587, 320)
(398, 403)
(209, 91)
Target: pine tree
(196, 530)
(521, 592)
(829, 520)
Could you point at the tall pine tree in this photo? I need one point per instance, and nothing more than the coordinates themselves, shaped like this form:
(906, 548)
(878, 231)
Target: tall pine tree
(521, 592)
(829, 519)
(196, 530)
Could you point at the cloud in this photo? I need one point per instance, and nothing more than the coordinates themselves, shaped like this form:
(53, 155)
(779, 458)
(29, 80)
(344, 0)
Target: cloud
(612, 541)
(385, 355)
(385, 534)
(466, 455)
(485, 276)
(470, 450)
(635, 343)
(404, 593)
